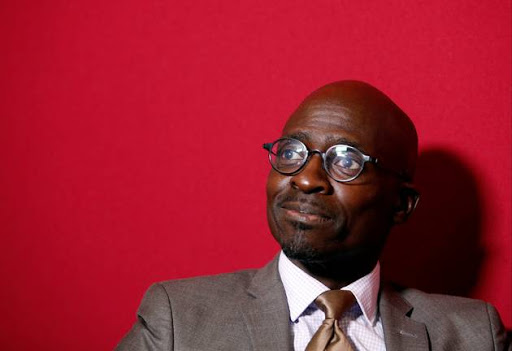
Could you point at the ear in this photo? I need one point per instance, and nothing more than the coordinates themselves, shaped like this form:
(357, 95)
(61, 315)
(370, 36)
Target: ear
(409, 198)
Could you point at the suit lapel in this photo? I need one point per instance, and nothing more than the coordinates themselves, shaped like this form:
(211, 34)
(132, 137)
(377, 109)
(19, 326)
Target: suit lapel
(267, 317)
(400, 331)
(265, 311)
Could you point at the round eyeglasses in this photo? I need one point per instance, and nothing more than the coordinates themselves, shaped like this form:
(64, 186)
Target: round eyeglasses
(342, 163)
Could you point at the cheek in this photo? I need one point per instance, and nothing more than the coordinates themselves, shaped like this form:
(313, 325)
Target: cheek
(356, 198)
(275, 183)
(369, 211)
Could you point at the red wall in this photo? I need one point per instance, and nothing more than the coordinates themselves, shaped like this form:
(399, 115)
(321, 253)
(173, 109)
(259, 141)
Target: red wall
(131, 132)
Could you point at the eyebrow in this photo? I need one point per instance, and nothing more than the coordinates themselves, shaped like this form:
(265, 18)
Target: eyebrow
(304, 137)
(330, 141)
(335, 141)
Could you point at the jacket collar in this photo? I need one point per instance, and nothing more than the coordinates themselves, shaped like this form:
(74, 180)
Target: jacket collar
(267, 317)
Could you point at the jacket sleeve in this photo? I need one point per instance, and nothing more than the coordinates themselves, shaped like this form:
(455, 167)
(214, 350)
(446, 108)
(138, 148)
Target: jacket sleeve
(153, 329)
(501, 342)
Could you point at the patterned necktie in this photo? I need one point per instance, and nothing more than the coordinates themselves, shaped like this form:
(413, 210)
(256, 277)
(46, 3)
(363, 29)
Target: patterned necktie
(329, 336)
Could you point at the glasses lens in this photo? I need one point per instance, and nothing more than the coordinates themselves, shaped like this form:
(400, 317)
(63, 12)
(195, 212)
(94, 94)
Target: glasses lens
(288, 155)
(344, 162)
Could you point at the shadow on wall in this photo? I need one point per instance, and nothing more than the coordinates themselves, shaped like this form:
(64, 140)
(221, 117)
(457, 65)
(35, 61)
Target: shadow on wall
(439, 249)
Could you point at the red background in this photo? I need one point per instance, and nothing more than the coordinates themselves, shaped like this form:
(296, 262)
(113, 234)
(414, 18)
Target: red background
(131, 132)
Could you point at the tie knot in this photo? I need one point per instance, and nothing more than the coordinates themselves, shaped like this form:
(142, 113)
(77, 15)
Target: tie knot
(335, 302)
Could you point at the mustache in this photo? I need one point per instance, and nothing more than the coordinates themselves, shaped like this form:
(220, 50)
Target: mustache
(304, 203)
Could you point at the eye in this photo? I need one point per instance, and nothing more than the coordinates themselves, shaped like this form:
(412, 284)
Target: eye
(344, 162)
(289, 154)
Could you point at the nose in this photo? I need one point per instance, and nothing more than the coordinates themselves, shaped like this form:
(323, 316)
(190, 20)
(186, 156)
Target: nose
(312, 178)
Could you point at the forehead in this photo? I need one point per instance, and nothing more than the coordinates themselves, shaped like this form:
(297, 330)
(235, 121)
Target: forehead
(323, 124)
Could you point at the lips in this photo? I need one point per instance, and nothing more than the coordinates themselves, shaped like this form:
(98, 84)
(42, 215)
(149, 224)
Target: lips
(304, 212)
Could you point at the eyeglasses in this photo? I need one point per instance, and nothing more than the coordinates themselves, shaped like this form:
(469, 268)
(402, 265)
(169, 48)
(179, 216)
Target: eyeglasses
(342, 163)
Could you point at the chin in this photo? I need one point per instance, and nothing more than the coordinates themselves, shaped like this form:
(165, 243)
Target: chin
(306, 243)
(297, 247)
(300, 252)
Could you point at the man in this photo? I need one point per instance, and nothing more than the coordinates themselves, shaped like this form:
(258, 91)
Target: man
(341, 178)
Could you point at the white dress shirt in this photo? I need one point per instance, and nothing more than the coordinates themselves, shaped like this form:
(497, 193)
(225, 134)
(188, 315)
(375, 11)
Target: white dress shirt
(361, 324)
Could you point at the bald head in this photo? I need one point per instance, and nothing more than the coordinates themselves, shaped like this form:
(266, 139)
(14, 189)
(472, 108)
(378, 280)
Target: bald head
(335, 229)
(357, 107)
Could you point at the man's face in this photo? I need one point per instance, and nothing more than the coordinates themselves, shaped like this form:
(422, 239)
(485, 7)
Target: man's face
(315, 218)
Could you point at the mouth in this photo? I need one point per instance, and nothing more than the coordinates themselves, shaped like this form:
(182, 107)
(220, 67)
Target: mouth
(304, 213)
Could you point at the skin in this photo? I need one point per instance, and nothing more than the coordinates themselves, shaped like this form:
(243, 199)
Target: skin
(336, 231)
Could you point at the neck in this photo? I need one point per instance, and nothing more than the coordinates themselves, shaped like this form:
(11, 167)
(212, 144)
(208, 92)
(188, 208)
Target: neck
(336, 274)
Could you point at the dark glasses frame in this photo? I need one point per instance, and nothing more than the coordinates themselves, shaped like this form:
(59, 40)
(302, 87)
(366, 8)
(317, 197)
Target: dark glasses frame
(310, 152)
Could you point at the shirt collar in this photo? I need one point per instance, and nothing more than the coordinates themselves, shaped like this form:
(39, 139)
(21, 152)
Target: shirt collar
(302, 289)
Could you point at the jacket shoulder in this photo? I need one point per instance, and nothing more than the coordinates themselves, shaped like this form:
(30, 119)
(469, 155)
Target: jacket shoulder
(234, 282)
(208, 295)
(456, 321)
(440, 302)
(172, 312)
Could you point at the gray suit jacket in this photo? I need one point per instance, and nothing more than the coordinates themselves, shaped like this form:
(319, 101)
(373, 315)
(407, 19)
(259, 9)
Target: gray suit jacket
(248, 310)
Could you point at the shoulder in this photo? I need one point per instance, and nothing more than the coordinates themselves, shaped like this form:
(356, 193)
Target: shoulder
(452, 318)
(210, 292)
(239, 279)
(440, 303)
(446, 306)
(171, 311)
